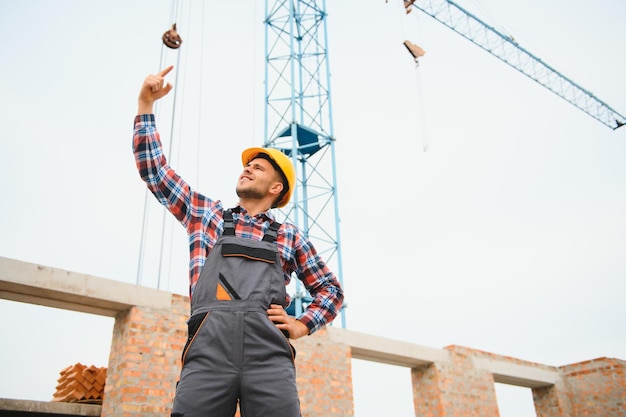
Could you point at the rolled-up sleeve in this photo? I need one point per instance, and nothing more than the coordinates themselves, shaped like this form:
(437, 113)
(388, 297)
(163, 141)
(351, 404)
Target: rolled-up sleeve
(320, 282)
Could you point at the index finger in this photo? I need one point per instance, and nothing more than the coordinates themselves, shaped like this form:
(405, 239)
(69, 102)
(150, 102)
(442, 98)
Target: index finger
(166, 71)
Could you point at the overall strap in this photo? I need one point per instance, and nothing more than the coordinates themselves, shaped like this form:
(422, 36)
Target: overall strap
(229, 224)
(271, 232)
(229, 227)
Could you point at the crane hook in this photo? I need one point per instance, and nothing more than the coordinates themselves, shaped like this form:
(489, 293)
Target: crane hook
(407, 5)
(171, 38)
(415, 50)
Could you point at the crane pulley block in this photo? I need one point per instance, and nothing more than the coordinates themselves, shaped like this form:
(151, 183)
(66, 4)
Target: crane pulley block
(171, 38)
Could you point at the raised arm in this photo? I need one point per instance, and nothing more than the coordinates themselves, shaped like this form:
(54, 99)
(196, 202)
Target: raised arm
(166, 185)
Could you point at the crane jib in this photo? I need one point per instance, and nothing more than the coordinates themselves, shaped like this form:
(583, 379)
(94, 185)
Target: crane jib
(507, 49)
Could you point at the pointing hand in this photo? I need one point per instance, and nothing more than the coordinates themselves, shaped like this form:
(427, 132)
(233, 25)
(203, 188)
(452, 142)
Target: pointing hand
(152, 89)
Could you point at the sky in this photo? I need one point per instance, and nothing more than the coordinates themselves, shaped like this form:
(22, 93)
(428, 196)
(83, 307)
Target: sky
(507, 234)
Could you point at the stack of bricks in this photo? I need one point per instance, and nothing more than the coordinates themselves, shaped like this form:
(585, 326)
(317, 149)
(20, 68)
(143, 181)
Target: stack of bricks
(81, 384)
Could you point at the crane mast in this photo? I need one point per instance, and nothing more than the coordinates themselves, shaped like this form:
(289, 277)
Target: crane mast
(506, 49)
(298, 121)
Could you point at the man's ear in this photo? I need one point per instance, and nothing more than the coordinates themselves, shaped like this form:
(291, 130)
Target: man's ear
(277, 188)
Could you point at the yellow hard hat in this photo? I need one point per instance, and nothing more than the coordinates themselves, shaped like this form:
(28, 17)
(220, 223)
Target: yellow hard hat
(280, 161)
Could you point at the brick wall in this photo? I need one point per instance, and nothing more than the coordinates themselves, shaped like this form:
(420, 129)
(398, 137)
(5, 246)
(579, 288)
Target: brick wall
(144, 363)
(454, 387)
(324, 376)
(552, 401)
(144, 366)
(596, 387)
(145, 360)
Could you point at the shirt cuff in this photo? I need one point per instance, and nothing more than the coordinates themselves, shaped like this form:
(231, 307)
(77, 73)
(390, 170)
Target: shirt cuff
(144, 119)
(310, 324)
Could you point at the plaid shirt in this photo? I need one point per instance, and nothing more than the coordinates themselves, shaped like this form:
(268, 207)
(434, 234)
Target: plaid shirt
(202, 218)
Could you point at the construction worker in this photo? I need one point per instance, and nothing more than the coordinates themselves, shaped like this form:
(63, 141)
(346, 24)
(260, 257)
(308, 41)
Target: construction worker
(238, 351)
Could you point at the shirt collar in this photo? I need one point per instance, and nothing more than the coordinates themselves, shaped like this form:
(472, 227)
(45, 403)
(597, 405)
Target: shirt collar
(266, 215)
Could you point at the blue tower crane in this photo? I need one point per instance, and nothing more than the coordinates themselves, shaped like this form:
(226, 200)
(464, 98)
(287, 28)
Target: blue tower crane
(298, 108)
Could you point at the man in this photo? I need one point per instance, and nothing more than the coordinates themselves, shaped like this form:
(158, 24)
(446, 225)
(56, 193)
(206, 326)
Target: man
(241, 259)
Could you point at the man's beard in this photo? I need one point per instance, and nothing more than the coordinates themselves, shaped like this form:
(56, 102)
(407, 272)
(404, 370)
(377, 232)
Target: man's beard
(249, 193)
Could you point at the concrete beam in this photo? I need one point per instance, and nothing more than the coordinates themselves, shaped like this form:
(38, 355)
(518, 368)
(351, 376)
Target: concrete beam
(389, 351)
(528, 376)
(32, 408)
(53, 287)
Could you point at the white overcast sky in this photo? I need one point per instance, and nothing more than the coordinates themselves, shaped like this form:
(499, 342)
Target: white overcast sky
(507, 235)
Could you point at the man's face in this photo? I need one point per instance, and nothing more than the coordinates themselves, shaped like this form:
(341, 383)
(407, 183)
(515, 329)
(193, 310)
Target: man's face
(257, 178)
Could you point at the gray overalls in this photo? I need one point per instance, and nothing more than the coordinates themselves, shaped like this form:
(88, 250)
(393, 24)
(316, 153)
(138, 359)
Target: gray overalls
(234, 352)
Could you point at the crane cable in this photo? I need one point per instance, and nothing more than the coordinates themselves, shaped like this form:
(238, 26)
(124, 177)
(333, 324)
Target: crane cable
(404, 9)
(173, 17)
(255, 69)
(177, 121)
(200, 87)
